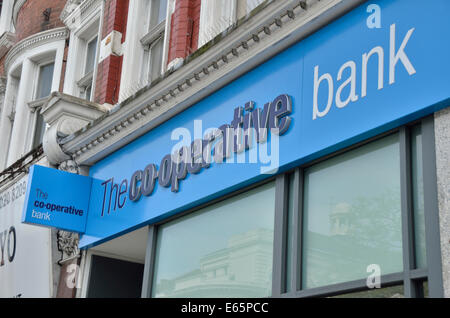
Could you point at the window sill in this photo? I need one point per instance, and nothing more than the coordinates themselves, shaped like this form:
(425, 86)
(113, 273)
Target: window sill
(154, 33)
(36, 104)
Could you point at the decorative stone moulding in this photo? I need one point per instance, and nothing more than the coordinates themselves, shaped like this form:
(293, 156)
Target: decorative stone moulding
(34, 41)
(77, 11)
(66, 114)
(6, 42)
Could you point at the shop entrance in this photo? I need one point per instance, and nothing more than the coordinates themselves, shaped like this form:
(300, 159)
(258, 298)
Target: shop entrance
(115, 269)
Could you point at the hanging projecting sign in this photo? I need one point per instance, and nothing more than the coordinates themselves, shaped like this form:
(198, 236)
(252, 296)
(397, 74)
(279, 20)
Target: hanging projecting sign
(57, 199)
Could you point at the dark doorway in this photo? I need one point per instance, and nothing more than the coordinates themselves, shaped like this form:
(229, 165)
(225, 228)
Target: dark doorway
(113, 278)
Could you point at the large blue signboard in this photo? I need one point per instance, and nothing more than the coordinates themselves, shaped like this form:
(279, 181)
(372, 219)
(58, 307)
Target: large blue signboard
(345, 83)
(57, 199)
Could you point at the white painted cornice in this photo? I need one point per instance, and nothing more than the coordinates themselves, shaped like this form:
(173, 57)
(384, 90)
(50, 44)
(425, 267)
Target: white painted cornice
(65, 114)
(233, 53)
(76, 11)
(33, 41)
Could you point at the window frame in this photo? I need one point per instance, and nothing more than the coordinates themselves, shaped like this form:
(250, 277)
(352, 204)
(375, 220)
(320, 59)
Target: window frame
(87, 79)
(149, 40)
(411, 278)
(35, 106)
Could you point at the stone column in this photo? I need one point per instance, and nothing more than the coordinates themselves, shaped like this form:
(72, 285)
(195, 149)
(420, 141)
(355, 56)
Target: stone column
(442, 140)
(20, 129)
(7, 119)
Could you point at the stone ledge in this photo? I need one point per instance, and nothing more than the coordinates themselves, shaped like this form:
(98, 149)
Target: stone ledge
(66, 114)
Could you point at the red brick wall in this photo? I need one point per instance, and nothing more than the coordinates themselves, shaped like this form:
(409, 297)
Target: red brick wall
(31, 19)
(109, 70)
(108, 80)
(184, 26)
(116, 12)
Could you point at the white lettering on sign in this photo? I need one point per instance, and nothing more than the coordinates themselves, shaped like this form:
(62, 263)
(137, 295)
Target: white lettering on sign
(13, 194)
(40, 215)
(395, 56)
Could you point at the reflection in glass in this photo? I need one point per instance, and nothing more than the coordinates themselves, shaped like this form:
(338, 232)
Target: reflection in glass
(352, 215)
(388, 292)
(418, 204)
(224, 250)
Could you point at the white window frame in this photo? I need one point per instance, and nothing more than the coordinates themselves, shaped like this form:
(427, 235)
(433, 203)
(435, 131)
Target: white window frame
(137, 40)
(87, 79)
(84, 27)
(36, 104)
(149, 41)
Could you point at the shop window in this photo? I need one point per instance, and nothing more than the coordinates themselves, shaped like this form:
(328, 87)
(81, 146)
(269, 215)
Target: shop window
(153, 40)
(352, 215)
(359, 215)
(224, 250)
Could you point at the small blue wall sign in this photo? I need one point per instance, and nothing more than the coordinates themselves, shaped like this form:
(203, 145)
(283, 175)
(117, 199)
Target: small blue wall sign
(57, 199)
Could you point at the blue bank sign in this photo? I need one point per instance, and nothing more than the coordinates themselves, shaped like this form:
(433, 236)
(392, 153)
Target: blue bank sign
(57, 199)
(342, 85)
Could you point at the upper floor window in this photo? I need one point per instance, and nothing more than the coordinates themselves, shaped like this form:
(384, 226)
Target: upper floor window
(85, 83)
(45, 80)
(153, 40)
(43, 90)
(157, 12)
(90, 56)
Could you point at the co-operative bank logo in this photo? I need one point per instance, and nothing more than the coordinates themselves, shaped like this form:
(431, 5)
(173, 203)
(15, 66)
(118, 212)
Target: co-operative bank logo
(227, 144)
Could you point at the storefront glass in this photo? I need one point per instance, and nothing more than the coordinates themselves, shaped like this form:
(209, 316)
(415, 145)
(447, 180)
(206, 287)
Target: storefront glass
(224, 250)
(352, 215)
